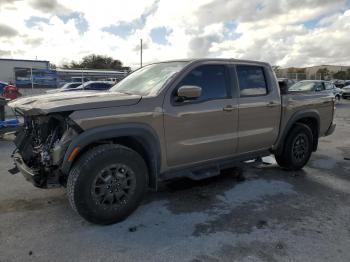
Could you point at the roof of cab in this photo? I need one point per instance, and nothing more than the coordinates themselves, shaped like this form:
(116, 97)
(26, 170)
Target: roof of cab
(197, 60)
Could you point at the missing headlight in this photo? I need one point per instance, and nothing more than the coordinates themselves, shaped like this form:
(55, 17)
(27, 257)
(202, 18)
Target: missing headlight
(60, 147)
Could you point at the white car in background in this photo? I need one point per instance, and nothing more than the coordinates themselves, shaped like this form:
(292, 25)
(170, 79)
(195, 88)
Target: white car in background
(90, 86)
(346, 92)
(65, 87)
(335, 90)
(317, 86)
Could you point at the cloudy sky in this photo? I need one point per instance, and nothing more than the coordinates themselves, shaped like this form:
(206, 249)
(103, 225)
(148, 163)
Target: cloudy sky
(282, 32)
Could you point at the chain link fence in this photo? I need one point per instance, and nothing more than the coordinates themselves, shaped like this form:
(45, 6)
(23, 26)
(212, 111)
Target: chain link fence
(37, 80)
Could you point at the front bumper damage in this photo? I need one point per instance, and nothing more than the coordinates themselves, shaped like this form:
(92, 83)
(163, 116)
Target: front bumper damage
(40, 147)
(36, 176)
(29, 174)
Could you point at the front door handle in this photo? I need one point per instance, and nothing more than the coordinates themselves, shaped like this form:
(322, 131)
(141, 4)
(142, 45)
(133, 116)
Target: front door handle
(228, 108)
(272, 104)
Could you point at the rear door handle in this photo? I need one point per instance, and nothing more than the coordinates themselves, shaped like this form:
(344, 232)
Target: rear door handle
(228, 108)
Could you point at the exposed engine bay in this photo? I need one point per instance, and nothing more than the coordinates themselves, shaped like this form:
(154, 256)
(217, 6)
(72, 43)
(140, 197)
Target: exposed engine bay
(41, 144)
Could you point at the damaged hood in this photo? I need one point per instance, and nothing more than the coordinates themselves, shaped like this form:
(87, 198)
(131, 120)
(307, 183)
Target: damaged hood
(72, 101)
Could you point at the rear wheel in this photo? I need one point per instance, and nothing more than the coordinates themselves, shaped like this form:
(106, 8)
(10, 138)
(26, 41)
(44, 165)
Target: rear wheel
(107, 183)
(297, 148)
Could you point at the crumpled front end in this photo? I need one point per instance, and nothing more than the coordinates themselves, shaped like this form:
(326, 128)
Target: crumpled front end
(40, 147)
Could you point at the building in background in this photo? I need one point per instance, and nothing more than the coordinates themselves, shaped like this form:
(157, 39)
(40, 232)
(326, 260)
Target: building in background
(35, 77)
(321, 72)
(37, 74)
(8, 67)
(326, 72)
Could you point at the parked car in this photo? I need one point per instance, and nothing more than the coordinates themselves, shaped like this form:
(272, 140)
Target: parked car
(90, 85)
(346, 83)
(335, 90)
(65, 87)
(317, 86)
(346, 92)
(6, 124)
(338, 83)
(285, 84)
(341, 83)
(187, 118)
(115, 80)
(79, 79)
(10, 92)
(2, 85)
(96, 85)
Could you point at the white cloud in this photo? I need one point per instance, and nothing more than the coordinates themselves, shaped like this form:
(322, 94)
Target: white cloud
(267, 30)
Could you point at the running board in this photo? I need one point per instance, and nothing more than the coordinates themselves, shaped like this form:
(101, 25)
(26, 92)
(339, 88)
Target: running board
(203, 173)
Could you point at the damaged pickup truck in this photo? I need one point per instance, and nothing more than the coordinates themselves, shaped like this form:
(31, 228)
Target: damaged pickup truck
(188, 118)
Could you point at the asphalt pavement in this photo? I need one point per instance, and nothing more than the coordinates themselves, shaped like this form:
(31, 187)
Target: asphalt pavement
(273, 215)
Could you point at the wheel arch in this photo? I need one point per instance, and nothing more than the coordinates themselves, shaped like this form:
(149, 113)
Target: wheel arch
(139, 137)
(311, 118)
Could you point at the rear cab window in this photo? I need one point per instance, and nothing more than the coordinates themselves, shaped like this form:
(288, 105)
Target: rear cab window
(252, 80)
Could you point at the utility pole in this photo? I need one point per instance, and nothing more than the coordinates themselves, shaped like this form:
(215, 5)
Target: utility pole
(31, 77)
(141, 52)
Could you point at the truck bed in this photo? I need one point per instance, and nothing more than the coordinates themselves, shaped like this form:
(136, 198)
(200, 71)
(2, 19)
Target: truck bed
(321, 103)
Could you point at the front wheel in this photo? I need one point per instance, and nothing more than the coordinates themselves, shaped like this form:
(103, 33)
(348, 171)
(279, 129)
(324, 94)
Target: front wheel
(107, 183)
(297, 148)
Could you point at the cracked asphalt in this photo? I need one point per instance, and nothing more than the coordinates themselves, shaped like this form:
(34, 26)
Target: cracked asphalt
(273, 215)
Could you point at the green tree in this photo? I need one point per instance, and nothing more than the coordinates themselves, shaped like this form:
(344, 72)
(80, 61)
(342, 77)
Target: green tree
(324, 72)
(341, 75)
(97, 62)
(52, 66)
(294, 70)
(277, 70)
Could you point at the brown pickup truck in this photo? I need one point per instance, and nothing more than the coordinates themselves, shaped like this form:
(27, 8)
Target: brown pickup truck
(179, 118)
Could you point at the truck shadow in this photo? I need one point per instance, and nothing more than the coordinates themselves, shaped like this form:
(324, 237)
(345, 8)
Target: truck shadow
(20, 205)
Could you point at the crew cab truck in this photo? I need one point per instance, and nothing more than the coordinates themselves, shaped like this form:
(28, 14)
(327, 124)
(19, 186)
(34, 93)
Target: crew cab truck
(179, 118)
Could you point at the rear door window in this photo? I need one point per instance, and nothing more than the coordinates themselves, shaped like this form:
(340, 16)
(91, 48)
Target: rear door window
(252, 81)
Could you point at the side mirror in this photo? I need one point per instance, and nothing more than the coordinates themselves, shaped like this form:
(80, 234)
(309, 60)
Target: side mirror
(318, 89)
(189, 92)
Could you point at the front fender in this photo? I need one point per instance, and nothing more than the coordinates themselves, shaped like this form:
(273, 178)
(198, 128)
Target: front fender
(142, 132)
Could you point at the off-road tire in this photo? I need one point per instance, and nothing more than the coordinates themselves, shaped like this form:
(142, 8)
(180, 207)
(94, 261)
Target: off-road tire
(87, 170)
(287, 158)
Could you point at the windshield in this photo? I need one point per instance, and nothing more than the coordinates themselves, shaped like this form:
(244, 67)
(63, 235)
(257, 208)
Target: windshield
(303, 86)
(149, 79)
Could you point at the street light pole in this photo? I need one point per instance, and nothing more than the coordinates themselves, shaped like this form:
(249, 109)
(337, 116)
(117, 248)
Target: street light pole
(31, 77)
(141, 52)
